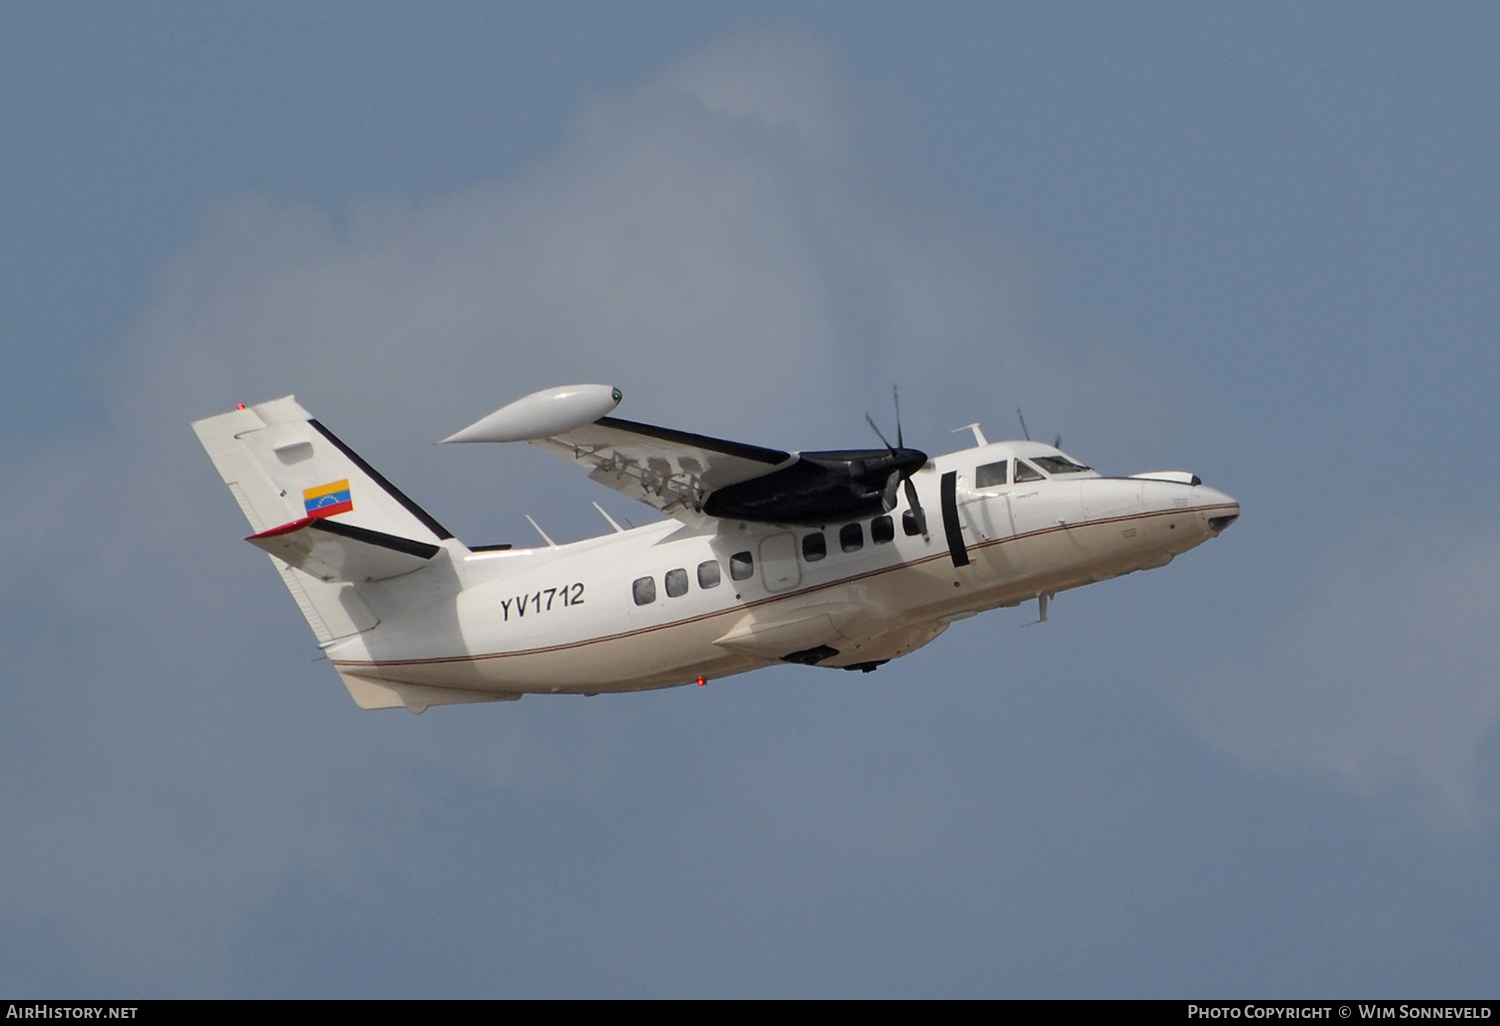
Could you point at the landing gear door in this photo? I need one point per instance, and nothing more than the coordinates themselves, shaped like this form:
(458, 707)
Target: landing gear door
(778, 562)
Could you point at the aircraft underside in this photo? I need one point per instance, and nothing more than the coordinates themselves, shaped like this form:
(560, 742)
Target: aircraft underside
(836, 625)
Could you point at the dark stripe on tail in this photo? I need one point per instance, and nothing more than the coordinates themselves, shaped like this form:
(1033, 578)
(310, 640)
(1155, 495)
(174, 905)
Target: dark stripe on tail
(422, 550)
(390, 489)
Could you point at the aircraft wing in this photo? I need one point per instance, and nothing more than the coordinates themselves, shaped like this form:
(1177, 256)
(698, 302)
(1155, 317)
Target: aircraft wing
(672, 471)
(695, 478)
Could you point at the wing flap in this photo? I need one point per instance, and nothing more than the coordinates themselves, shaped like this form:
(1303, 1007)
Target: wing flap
(334, 551)
(672, 471)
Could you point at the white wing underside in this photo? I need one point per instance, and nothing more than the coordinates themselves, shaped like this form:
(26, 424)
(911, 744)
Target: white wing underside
(670, 471)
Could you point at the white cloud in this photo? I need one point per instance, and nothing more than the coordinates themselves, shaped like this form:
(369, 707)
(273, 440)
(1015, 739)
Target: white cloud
(1382, 678)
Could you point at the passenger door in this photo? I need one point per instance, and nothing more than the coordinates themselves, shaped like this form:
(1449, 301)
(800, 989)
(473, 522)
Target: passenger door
(778, 562)
(989, 521)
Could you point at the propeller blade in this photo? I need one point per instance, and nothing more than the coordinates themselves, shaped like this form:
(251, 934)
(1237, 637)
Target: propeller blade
(876, 428)
(916, 507)
(888, 497)
(896, 397)
(899, 477)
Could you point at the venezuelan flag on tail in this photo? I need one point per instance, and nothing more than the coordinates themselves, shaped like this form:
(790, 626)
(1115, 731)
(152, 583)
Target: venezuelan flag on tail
(328, 500)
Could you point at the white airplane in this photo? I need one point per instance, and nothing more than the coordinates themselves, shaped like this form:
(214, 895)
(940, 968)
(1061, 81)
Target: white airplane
(820, 558)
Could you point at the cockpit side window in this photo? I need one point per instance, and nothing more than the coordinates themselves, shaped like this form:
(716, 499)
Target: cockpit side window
(991, 474)
(1026, 472)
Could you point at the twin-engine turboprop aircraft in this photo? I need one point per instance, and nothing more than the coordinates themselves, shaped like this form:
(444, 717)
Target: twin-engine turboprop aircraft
(821, 558)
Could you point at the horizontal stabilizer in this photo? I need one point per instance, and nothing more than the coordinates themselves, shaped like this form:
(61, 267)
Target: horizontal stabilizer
(331, 550)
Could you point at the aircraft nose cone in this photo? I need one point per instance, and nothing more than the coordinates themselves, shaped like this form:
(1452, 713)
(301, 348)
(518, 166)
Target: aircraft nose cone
(1221, 509)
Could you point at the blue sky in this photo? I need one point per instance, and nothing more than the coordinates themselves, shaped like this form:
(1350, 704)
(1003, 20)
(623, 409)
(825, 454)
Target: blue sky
(1258, 243)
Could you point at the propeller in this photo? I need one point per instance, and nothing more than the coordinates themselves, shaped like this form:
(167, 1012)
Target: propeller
(899, 477)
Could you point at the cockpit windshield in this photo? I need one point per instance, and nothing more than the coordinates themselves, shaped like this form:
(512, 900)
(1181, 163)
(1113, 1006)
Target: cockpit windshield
(1058, 465)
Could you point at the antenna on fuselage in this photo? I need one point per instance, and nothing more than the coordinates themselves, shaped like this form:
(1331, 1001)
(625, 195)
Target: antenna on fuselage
(979, 438)
(1041, 609)
(549, 541)
(1023, 424)
(606, 516)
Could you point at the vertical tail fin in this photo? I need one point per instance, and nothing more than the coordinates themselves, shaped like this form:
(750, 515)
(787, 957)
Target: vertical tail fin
(329, 519)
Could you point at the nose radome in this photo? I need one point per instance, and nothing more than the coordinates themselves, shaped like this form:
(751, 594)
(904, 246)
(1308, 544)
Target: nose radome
(1222, 510)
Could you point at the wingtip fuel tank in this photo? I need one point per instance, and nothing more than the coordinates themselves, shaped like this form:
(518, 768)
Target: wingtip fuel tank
(551, 411)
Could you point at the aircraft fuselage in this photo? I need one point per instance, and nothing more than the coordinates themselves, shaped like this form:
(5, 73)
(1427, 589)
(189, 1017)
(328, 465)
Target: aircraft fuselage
(671, 603)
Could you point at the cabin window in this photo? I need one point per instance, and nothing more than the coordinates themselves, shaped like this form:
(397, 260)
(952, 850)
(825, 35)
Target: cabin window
(852, 537)
(644, 590)
(882, 530)
(1026, 472)
(814, 546)
(708, 574)
(742, 566)
(912, 522)
(1059, 465)
(991, 474)
(676, 583)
